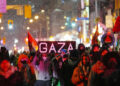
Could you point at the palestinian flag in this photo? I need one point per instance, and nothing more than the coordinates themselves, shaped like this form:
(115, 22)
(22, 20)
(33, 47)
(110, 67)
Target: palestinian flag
(32, 43)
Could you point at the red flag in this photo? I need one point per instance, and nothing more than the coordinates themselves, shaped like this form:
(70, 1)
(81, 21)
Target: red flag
(116, 27)
(32, 43)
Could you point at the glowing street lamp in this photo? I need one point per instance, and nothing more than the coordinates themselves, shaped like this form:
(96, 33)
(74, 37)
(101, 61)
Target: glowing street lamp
(76, 20)
(15, 48)
(28, 28)
(2, 28)
(36, 17)
(14, 45)
(31, 20)
(16, 41)
(65, 17)
(62, 27)
(42, 11)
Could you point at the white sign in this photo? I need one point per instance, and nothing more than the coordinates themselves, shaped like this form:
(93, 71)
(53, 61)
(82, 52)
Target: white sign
(56, 46)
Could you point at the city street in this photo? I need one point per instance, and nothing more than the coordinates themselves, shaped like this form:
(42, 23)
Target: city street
(59, 42)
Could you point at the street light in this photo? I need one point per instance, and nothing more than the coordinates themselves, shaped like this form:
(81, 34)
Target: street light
(65, 17)
(62, 27)
(36, 17)
(2, 28)
(42, 11)
(15, 40)
(14, 45)
(28, 28)
(31, 20)
(76, 20)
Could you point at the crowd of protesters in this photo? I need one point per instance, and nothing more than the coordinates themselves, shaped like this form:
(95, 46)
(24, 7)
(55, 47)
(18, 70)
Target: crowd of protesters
(95, 66)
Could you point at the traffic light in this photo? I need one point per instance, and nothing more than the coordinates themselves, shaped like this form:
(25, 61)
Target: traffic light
(10, 24)
(28, 11)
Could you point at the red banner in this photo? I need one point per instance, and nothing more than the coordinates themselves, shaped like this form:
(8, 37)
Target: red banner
(56, 46)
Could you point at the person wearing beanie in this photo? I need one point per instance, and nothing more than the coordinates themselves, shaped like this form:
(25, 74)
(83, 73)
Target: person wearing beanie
(106, 72)
(9, 75)
(95, 53)
(26, 69)
(81, 49)
(81, 71)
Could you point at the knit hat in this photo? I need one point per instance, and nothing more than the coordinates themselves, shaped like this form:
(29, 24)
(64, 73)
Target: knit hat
(23, 57)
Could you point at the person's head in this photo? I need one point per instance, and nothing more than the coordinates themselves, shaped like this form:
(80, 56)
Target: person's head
(5, 65)
(95, 48)
(44, 56)
(111, 60)
(63, 52)
(4, 53)
(103, 51)
(3, 49)
(81, 48)
(22, 61)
